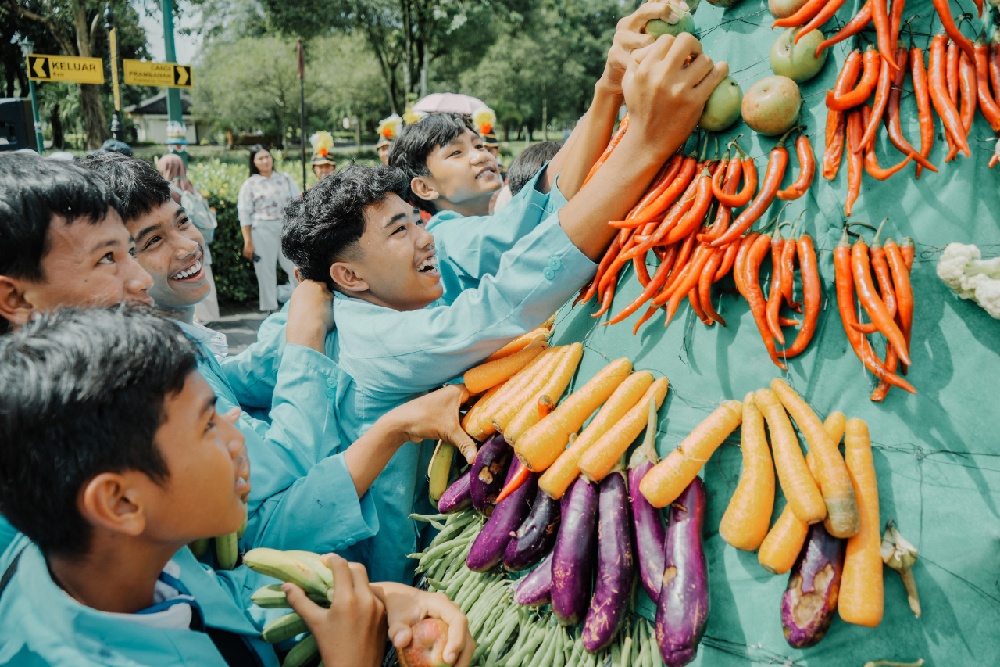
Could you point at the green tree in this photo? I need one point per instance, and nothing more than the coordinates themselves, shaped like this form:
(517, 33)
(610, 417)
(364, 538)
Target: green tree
(76, 28)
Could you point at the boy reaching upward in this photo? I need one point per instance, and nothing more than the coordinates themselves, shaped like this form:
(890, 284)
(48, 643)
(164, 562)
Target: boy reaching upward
(355, 232)
(101, 575)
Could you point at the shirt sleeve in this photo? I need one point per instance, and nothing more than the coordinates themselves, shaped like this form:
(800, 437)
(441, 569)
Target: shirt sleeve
(252, 374)
(244, 204)
(534, 279)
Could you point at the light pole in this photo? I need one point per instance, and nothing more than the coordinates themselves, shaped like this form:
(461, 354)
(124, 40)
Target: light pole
(117, 130)
(27, 48)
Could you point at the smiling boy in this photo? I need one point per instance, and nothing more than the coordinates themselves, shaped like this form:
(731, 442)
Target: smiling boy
(355, 231)
(101, 576)
(302, 476)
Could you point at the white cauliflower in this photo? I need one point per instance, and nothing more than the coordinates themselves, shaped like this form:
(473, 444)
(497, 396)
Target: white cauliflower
(962, 269)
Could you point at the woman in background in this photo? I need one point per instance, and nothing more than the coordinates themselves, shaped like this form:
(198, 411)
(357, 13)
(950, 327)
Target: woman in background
(261, 206)
(172, 168)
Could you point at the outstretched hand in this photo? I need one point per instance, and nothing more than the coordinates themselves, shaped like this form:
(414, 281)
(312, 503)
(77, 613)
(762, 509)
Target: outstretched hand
(630, 34)
(434, 416)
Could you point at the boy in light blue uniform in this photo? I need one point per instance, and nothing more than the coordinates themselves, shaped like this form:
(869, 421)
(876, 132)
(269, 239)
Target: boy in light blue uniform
(101, 574)
(309, 490)
(355, 231)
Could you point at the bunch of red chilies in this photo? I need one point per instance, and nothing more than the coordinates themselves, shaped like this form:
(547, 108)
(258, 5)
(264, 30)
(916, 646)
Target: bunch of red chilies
(955, 83)
(887, 299)
(696, 248)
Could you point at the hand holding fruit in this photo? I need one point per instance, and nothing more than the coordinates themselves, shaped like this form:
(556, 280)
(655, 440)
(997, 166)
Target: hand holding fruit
(631, 34)
(351, 633)
(667, 89)
(426, 624)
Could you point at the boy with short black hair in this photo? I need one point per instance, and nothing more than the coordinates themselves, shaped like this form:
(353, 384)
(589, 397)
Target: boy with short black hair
(112, 458)
(397, 337)
(309, 491)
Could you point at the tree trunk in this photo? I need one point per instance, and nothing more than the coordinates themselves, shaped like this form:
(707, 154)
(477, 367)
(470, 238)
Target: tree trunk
(58, 138)
(95, 124)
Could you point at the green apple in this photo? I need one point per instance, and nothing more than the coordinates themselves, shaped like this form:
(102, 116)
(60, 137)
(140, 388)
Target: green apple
(798, 62)
(658, 27)
(771, 106)
(723, 106)
(782, 9)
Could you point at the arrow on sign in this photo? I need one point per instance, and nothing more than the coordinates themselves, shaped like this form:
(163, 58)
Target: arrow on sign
(182, 74)
(40, 66)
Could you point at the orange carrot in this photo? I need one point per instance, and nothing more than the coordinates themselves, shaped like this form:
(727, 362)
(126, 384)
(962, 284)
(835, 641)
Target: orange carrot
(800, 488)
(484, 424)
(552, 389)
(558, 477)
(861, 589)
(831, 472)
(601, 457)
(477, 411)
(541, 334)
(784, 541)
(491, 373)
(666, 480)
(541, 445)
(748, 516)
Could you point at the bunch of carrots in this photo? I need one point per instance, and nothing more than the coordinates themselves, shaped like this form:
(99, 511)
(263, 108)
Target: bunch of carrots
(688, 221)
(819, 487)
(521, 390)
(887, 299)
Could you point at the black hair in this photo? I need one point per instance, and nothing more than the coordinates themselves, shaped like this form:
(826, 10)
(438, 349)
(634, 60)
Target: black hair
(33, 191)
(529, 162)
(83, 394)
(256, 148)
(410, 150)
(135, 182)
(329, 218)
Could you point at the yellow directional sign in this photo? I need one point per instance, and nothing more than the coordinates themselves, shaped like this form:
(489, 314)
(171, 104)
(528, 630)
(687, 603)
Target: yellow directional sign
(65, 68)
(169, 75)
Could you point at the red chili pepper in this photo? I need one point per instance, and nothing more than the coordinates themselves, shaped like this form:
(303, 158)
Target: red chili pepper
(804, 13)
(895, 17)
(772, 307)
(923, 97)
(641, 270)
(892, 113)
(845, 303)
(993, 161)
(812, 296)
(900, 266)
(987, 103)
(853, 27)
(772, 183)
(824, 15)
(967, 94)
(699, 309)
(871, 161)
(727, 261)
(944, 13)
(788, 275)
(886, 290)
(807, 161)
(994, 63)
(951, 71)
(655, 285)
(687, 213)
(880, 17)
(694, 218)
(724, 214)
(588, 293)
(705, 281)
(860, 94)
(939, 95)
(687, 281)
(745, 194)
(615, 140)
(872, 303)
(748, 263)
(878, 106)
(855, 160)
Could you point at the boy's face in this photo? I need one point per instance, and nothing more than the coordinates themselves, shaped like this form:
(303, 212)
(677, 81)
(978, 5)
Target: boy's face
(85, 265)
(383, 153)
(171, 250)
(207, 479)
(395, 264)
(324, 169)
(463, 172)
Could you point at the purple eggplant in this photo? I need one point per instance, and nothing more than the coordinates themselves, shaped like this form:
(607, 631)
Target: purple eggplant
(488, 549)
(650, 531)
(488, 472)
(536, 588)
(458, 496)
(615, 564)
(682, 607)
(813, 587)
(535, 537)
(573, 555)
